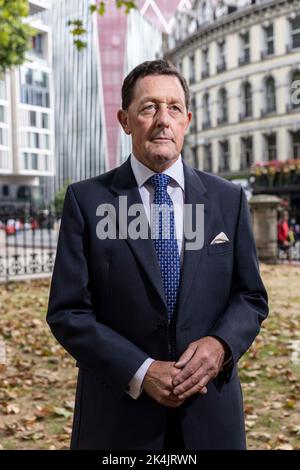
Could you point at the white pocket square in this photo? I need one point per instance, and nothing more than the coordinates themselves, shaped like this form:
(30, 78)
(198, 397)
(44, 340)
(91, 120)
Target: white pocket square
(220, 238)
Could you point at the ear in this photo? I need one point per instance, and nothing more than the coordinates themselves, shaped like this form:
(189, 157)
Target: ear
(189, 118)
(122, 116)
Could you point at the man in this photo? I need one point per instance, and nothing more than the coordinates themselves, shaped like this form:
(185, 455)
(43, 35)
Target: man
(157, 325)
(283, 234)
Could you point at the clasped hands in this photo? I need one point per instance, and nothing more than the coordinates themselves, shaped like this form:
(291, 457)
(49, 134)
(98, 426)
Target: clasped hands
(171, 383)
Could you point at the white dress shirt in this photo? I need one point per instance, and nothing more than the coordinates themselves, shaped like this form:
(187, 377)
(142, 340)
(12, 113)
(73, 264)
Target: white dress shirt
(176, 192)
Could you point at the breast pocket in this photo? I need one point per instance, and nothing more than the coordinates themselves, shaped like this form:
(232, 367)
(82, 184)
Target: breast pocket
(219, 248)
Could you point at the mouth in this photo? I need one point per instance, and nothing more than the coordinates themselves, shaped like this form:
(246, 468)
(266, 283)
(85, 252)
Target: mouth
(161, 139)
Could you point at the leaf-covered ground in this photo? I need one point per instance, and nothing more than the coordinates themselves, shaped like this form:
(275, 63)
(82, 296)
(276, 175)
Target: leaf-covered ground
(37, 386)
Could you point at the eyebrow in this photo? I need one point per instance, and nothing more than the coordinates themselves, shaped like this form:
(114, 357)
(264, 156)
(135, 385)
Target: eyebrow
(153, 98)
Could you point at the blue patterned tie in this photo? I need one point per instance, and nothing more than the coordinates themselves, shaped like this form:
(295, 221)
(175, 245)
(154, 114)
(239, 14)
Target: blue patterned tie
(165, 243)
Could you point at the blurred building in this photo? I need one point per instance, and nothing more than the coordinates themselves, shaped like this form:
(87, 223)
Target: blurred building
(26, 121)
(87, 84)
(242, 60)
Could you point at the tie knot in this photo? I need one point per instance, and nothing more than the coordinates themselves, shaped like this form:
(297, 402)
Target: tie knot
(160, 181)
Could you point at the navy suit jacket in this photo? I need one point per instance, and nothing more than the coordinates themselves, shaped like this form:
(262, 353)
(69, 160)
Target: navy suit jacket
(108, 310)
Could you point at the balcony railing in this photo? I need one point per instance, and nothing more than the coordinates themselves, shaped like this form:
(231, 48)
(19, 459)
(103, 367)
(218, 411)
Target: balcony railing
(293, 108)
(267, 112)
(206, 125)
(244, 60)
(243, 116)
(222, 119)
(221, 67)
(266, 55)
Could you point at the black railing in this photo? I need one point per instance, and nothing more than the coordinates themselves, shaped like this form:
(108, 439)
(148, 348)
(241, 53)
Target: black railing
(27, 246)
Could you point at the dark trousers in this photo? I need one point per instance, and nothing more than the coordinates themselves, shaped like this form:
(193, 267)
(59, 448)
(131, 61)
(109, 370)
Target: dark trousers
(173, 436)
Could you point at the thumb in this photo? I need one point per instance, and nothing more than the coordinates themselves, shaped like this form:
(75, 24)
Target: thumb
(185, 357)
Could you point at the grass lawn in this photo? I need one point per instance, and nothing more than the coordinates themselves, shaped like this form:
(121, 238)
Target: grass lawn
(37, 387)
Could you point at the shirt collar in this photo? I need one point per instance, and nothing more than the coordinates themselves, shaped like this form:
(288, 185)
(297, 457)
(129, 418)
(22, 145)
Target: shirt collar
(142, 173)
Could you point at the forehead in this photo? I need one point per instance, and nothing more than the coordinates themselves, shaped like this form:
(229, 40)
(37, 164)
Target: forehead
(159, 87)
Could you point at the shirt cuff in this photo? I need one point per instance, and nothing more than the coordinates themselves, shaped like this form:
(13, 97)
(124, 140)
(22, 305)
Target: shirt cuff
(135, 384)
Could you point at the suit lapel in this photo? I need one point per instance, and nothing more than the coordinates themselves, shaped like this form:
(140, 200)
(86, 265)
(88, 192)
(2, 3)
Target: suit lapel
(124, 184)
(195, 193)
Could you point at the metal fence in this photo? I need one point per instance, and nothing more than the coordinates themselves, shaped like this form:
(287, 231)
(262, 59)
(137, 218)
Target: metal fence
(290, 254)
(27, 247)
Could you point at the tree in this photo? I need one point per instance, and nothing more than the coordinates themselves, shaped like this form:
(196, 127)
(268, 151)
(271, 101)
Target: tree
(15, 34)
(60, 197)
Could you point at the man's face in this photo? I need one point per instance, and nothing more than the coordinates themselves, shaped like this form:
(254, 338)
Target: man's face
(156, 119)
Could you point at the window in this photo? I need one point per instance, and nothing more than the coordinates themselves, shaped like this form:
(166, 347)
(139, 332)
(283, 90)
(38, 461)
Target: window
(223, 106)
(46, 162)
(269, 40)
(36, 140)
(193, 125)
(295, 90)
(295, 25)
(46, 141)
(207, 158)
(26, 161)
(205, 62)
(224, 156)
(37, 43)
(28, 76)
(1, 136)
(32, 118)
(192, 75)
(5, 190)
(296, 144)
(34, 161)
(245, 42)
(222, 57)
(271, 148)
(2, 114)
(270, 95)
(45, 121)
(2, 90)
(247, 153)
(34, 87)
(206, 110)
(247, 100)
(205, 12)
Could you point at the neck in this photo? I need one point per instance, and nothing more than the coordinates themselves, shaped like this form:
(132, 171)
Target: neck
(158, 163)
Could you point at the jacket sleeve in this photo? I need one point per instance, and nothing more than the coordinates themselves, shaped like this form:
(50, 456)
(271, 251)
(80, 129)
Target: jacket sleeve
(70, 315)
(248, 304)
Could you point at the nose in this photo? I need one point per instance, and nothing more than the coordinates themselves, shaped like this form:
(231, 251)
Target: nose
(163, 117)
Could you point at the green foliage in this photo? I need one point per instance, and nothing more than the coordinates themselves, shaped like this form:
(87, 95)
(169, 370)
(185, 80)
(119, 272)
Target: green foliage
(15, 35)
(60, 197)
(79, 31)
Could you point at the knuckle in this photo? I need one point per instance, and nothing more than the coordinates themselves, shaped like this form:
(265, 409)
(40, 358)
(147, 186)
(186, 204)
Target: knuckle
(191, 369)
(194, 379)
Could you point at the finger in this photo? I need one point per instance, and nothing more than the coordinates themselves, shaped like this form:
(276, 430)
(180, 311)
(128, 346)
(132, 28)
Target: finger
(197, 379)
(191, 368)
(196, 389)
(203, 391)
(186, 356)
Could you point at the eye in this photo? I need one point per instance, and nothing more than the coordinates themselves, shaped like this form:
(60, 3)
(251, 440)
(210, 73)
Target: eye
(175, 108)
(149, 107)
